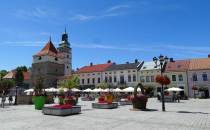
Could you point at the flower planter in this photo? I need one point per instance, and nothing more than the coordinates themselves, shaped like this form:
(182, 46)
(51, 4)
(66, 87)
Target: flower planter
(140, 102)
(61, 110)
(39, 102)
(105, 105)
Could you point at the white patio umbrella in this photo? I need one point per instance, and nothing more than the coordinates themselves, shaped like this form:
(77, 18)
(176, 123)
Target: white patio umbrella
(96, 90)
(128, 89)
(29, 90)
(64, 89)
(117, 90)
(51, 90)
(174, 89)
(75, 90)
(87, 90)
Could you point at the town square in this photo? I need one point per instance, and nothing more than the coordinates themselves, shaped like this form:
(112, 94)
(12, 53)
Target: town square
(116, 65)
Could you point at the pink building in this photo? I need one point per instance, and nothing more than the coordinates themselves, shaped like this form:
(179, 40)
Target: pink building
(199, 75)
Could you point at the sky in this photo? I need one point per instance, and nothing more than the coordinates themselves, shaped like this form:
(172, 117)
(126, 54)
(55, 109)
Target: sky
(102, 30)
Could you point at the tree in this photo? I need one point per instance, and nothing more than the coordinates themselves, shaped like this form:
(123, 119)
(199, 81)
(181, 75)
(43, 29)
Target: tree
(103, 85)
(73, 82)
(39, 86)
(19, 77)
(5, 85)
(22, 68)
(2, 74)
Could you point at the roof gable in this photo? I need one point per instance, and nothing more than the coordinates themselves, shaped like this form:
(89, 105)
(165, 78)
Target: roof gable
(94, 68)
(178, 65)
(49, 49)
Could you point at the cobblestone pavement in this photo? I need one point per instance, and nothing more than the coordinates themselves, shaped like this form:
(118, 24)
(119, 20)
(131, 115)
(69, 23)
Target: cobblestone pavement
(193, 114)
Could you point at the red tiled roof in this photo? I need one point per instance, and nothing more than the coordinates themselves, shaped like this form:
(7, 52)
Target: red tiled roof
(94, 68)
(199, 64)
(178, 65)
(11, 75)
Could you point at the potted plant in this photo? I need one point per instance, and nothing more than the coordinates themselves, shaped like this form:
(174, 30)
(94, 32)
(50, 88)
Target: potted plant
(39, 98)
(71, 83)
(139, 101)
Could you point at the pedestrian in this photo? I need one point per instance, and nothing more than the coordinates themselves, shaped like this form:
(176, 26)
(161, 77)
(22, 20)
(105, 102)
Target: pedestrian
(178, 97)
(3, 99)
(10, 99)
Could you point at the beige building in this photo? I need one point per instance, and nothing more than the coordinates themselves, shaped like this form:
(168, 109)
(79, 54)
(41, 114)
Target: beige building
(122, 75)
(147, 74)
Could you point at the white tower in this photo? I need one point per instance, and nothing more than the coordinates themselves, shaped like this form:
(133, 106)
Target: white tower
(65, 49)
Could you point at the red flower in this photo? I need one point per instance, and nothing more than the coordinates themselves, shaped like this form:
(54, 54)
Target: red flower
(65, 106)
(164, 80)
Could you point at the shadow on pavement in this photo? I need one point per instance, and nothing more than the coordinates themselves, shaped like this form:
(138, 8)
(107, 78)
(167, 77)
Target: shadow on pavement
(192, 112)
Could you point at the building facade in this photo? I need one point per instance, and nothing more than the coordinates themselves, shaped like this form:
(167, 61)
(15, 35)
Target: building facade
(177, 72)
(92, 75)
(199, 75)
(51, 63)
(122, 75)
(147, 74)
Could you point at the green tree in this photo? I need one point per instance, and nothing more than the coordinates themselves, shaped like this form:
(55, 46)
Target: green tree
(5, 85)
(2, 74)
(22, 68)
(103, 85)
(73, 82)
(39, 86)
(19, 77)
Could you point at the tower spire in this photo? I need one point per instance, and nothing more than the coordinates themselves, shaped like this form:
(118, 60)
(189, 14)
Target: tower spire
(50, 38)
(65, 29)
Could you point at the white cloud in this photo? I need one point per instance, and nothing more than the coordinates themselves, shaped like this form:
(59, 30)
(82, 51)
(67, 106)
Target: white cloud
(110, 12)
(82, 17)
(117, 8)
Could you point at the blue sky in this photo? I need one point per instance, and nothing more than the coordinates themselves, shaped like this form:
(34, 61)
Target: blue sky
(99, 30)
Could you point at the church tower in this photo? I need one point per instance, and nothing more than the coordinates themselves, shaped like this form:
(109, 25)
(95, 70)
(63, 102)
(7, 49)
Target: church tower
(65, 49)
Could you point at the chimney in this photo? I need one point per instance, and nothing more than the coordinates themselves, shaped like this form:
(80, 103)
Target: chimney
(136, 61)
(208, 55)
(171, 60)
(109, 61)
(91, 63)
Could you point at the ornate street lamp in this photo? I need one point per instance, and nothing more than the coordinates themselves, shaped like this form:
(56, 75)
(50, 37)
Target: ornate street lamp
(16, 89)
(162, 60)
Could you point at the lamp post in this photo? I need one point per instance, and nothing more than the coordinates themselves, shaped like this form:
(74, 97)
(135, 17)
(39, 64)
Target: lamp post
(162, 60)
(16, 87)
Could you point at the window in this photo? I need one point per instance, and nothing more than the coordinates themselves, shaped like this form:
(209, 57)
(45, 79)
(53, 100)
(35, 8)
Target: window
(88, 80)
(56, 59)
(93, 74)
(180, 77)
(106, 79)
(40, 58)
(67, 67)
(110, 79)
(147, 79)
(110, 72)
(115, 79)
(121, 72)
(134, 78)
(152, 78)
(173, 77)
(195, 77)
(93, 80)
(67, 56)
(142, 79)
(129, 78)
(99, 80)
(122, 79)
(205, 78)
(129, 71)
(56, 70)
(134, 71)
(83, 81)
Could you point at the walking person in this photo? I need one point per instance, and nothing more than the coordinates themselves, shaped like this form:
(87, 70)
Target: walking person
(3, 99)
(10, 99)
